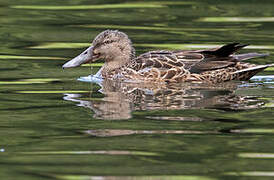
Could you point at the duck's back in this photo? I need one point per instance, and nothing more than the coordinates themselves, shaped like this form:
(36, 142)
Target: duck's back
(215, 65)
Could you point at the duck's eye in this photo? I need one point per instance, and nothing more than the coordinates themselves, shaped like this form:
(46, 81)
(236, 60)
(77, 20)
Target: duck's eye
(85, 52)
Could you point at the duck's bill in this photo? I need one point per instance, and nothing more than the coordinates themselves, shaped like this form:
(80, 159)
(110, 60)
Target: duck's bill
(85, 57)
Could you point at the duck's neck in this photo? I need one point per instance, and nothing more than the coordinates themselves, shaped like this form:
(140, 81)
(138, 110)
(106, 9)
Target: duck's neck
(119, 60)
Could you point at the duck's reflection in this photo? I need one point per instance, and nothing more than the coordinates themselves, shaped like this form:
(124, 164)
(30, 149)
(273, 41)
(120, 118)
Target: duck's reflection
(120, 99)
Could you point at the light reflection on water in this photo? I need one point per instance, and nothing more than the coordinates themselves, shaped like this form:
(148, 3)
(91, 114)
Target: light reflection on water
(85, 177)
(121, 99)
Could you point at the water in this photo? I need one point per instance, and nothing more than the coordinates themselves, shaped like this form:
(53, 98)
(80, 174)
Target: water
(56, 127)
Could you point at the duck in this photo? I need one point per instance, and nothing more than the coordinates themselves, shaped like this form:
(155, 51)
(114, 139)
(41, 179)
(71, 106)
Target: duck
(215, 65)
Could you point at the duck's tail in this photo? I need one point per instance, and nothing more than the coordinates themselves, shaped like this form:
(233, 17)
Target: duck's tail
(230, 49)
(246, 74)
(226, 50)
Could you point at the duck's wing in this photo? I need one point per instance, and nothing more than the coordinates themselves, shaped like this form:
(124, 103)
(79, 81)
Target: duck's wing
(167, 59)
(195, 61)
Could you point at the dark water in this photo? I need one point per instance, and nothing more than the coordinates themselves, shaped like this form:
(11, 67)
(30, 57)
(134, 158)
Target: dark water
(55, 127)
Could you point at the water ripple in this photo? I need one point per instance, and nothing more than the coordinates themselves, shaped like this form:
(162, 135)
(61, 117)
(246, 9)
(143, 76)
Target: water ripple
(123, 132)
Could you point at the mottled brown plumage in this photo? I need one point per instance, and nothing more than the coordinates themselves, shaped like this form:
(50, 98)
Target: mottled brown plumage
(211, 65)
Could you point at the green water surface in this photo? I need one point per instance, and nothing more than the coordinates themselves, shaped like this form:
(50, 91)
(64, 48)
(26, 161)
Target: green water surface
(55, 127)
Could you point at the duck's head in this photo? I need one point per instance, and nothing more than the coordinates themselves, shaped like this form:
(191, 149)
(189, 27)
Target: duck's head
(111, 45)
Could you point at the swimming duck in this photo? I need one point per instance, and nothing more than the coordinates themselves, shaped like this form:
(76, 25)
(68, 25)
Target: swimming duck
(210, 65)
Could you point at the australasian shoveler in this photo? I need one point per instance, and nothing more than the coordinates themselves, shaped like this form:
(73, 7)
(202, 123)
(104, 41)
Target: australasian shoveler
(211, 65)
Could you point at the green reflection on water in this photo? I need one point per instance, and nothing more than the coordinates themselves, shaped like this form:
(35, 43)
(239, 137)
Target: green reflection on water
(85, 177)
(237, 19)
(28, 57)
(253, 131)
(93, 64)
(169, 29)
(270, 69)
(113, 152)
(49, 92)
(29, 81)
(84, 7)
(57, 45)
(257, 155)
(45, 137)
(252, 173)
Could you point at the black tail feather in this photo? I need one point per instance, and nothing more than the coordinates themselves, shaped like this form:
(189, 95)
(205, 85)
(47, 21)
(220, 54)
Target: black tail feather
(226, 50)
